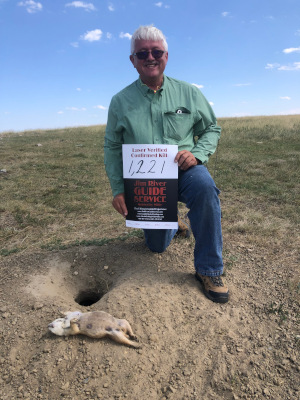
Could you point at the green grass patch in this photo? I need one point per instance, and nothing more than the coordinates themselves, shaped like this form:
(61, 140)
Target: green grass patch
(6, 252)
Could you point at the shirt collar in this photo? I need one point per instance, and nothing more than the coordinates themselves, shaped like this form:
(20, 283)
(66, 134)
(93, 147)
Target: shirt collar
(145, 89)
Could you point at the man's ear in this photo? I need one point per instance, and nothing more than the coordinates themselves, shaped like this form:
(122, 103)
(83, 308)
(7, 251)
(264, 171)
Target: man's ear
(131, 57)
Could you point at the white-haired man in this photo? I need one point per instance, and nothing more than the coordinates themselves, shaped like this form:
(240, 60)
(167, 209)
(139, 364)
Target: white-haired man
(156, 109)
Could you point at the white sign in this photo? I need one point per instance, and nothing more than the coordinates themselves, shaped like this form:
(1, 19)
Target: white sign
(151, 185)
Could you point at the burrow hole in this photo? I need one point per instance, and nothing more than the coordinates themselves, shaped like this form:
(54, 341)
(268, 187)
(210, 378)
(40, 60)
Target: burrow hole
(88, 297)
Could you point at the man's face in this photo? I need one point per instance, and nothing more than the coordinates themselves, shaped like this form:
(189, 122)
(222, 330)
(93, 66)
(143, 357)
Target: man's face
(150, 70)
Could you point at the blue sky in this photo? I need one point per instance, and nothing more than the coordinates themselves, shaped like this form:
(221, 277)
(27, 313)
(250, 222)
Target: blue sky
(61, 61)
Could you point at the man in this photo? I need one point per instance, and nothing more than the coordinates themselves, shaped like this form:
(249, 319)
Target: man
(157, 109)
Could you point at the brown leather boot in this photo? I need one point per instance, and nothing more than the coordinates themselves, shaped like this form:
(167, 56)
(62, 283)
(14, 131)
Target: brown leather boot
(184, 229)
(214, 288)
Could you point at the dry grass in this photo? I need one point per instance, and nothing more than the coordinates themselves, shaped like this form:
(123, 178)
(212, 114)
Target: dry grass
(258, 173)
(55, 191)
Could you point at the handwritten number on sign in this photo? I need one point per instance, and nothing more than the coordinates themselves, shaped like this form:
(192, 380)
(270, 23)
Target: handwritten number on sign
(150, 169)
(141, 162)
(130, 167)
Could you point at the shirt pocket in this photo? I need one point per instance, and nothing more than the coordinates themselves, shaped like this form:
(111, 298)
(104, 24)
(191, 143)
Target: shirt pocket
(177, 124)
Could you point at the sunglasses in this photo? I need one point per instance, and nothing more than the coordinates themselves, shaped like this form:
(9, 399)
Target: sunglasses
(143, 55)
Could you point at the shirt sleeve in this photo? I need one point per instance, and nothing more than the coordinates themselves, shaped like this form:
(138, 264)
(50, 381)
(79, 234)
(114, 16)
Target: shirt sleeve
(113, 149)
(206, 131)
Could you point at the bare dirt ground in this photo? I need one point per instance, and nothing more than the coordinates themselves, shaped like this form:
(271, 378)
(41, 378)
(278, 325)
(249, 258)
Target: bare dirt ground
(191, 347)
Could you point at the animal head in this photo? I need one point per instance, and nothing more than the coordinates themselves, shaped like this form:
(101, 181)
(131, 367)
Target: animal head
(61, 326)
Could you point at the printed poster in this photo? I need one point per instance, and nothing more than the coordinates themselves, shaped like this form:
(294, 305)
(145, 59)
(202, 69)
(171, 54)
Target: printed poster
(151, 185)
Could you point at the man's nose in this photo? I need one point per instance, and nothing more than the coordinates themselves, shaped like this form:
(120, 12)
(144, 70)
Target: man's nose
(150, 56)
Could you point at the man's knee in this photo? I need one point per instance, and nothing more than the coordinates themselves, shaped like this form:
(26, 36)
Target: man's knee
(157, 248)
(157, 240)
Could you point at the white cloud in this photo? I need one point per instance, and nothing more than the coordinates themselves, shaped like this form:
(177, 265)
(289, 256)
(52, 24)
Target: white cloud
(241, 114)
(225, 14)
(81, 4)
(285, 98)
(292, 67)
(125, 35)
(74, 44)
(76, 109)
(109, 35)
(292, 50)
(60, 112)
(111, 7)
(198, 86)
(211, 103)
(161, 4)
(78, 89)
(291, 112)
(272, 66)
(101, 107)
(31, 6)
(92, 36)
(242, 84)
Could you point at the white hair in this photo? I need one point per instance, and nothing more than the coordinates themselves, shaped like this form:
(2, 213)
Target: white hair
(148, 32)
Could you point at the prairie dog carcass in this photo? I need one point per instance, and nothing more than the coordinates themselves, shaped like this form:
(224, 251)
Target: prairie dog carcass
(95, 324)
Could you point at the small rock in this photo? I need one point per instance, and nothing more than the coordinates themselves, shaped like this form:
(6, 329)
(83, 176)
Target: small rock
(46, 350)
(154, 338)
(75, 273)
(65, 386)
(172, 389)
(37, 306)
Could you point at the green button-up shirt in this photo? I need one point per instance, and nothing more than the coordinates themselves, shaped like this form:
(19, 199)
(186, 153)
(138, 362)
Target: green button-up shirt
(177, 113)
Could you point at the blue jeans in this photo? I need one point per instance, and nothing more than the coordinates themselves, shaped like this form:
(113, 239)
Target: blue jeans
(198, 191)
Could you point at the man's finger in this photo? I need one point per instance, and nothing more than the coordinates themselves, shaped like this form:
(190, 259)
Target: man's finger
(119, 204)
(185, 159)
(179, 155)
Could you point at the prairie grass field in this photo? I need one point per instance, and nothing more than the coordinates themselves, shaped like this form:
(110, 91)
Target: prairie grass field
(54, 191)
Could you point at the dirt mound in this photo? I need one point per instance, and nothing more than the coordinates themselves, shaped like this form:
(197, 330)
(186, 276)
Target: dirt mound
(191, 347)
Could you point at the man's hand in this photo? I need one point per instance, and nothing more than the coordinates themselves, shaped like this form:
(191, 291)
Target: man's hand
(185, 159)
(119, 204)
